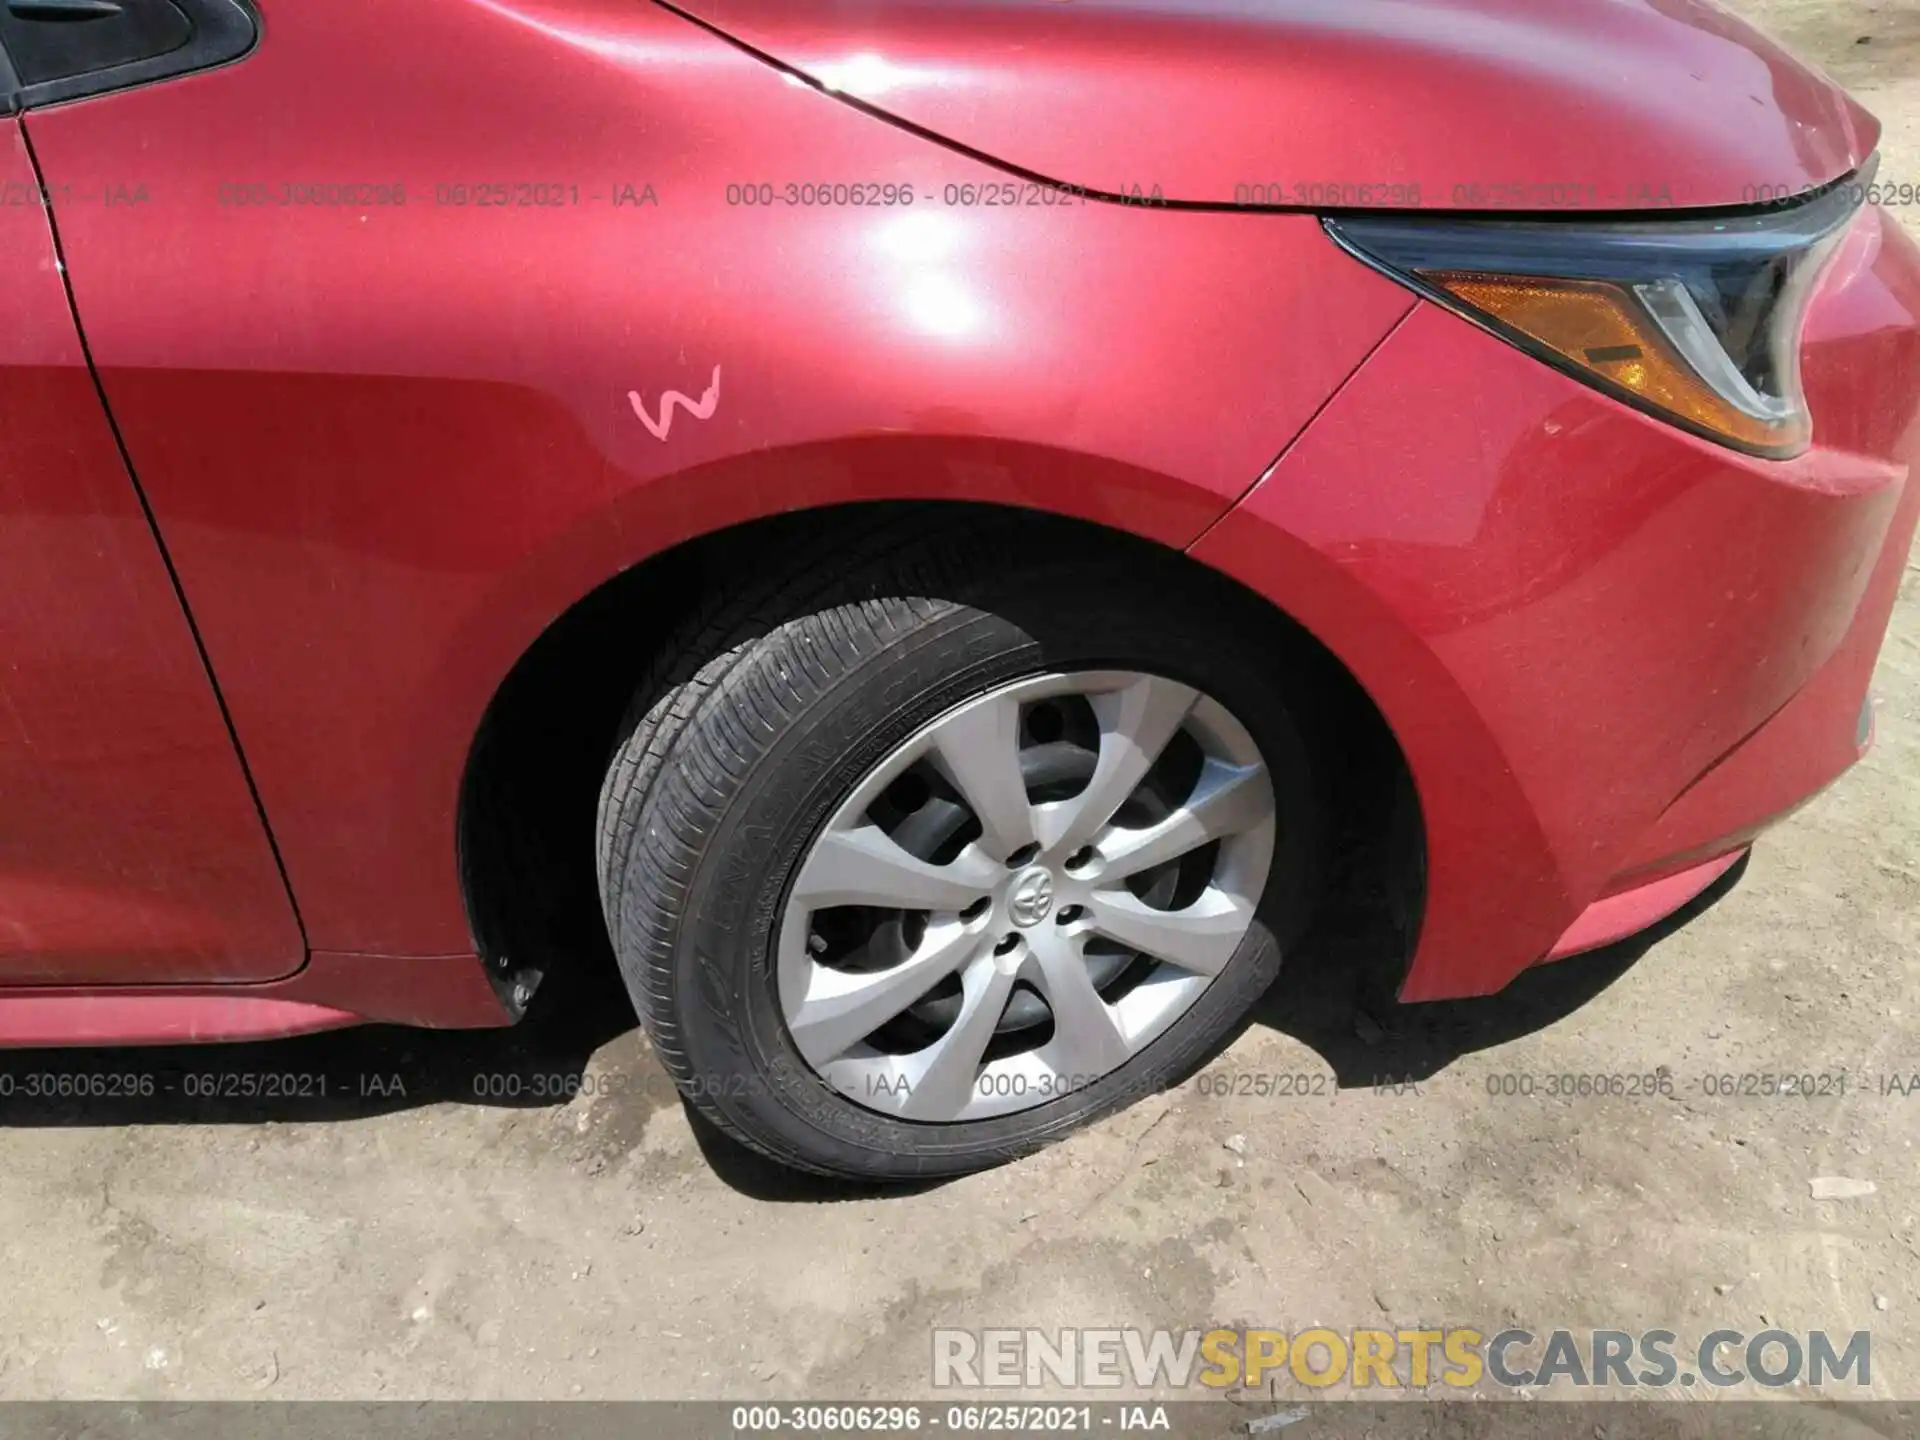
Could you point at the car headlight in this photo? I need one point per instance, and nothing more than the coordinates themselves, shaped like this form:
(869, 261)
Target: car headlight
(1694, 319)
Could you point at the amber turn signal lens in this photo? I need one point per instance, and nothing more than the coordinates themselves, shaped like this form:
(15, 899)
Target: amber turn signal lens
(1603, 329)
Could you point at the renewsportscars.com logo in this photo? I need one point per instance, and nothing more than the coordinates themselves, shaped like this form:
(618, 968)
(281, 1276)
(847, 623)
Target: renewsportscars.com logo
(1459, 1356)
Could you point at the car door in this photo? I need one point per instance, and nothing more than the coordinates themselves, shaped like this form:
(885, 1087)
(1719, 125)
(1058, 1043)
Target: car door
(131, 848)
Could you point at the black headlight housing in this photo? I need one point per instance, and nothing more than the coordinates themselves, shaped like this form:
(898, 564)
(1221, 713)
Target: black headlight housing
(1696, 319)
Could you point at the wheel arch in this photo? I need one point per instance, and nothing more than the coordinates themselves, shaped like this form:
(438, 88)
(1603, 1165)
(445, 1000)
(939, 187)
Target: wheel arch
(620, 572)
(525, 819)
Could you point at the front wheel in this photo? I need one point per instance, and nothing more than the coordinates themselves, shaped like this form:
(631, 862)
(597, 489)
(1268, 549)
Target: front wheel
(917, 868)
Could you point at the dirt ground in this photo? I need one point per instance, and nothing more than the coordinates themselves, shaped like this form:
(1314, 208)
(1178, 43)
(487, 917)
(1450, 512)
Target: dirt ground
(444, 1244)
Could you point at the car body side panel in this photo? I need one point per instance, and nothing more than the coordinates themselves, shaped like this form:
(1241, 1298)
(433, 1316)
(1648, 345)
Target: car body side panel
(1570, 613)
(130, 848)
(1870, 311)
(1463, 104)
(330, 990)
(388, 443)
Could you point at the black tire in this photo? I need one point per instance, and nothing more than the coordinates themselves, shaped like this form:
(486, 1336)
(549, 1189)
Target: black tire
(773, 704)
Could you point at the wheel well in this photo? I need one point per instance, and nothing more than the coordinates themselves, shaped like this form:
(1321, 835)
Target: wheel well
(531, 787)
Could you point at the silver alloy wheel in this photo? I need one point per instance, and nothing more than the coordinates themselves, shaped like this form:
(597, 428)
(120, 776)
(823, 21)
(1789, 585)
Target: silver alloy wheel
(1067, 926)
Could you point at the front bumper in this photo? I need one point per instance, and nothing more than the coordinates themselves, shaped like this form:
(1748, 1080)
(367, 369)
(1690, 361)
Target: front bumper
(1611, 652)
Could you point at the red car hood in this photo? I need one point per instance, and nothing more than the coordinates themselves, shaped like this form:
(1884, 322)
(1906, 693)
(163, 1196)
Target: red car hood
(1525, 104)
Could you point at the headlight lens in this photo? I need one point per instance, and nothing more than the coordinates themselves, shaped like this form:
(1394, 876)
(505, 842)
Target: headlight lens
(1696, 320)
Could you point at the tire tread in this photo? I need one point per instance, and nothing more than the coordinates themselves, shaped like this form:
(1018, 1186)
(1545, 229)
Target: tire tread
(700, 704)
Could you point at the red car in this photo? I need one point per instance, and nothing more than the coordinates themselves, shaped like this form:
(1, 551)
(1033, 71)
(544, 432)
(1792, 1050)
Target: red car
(941, 526)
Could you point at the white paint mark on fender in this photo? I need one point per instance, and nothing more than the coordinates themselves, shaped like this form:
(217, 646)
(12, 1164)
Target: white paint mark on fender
(703, 410)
